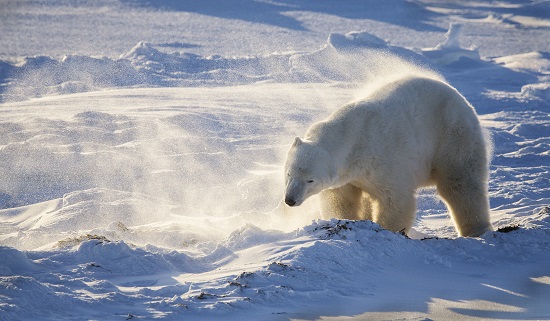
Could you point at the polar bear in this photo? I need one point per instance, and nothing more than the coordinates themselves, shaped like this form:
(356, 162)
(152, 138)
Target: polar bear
(367, 159)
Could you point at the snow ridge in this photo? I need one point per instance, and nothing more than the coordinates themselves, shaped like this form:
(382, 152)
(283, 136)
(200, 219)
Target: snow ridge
(148, 185)
(338, 261)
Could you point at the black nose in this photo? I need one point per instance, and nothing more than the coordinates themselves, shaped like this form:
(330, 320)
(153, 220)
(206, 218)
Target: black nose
(290, 202)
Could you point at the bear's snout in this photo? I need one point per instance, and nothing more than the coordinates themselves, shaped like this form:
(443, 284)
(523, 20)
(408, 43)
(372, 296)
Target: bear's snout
(295, 193)
(290, 201)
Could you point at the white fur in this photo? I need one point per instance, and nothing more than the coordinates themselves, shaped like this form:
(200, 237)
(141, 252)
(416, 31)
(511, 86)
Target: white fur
(368, 158)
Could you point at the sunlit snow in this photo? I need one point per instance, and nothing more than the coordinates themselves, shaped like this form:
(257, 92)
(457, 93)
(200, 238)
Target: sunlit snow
(142, 144)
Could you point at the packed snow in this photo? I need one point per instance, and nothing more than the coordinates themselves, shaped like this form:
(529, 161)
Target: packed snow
(142, 145)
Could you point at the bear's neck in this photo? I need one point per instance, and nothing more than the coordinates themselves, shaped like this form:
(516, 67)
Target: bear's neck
(345, 135)
(339, 136)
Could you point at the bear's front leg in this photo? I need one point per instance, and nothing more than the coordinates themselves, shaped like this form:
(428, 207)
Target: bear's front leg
(395, 210)
(344, 202)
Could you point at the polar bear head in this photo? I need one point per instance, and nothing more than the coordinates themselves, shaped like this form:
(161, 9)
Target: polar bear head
(309, 169)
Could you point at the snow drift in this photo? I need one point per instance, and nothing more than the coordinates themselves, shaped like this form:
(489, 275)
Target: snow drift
(148, 184)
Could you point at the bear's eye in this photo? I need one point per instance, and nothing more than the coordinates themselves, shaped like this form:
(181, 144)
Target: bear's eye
(310, 181)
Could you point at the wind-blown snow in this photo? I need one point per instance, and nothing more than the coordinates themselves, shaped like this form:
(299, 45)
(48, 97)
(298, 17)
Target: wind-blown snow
(142, 142)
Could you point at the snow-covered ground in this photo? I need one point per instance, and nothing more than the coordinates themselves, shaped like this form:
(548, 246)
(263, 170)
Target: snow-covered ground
(142, 144)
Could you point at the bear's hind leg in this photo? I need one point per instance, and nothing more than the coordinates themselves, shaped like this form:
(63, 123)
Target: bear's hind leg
(343, 202)
(467, 201)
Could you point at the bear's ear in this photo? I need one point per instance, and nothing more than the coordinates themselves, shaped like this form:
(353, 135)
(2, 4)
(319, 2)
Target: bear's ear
(297, 142)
